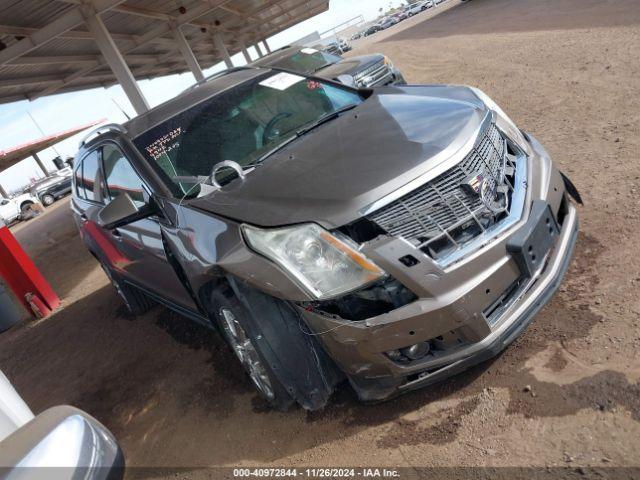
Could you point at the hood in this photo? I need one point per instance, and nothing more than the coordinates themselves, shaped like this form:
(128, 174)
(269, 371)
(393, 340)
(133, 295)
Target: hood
(332, 173)
(349, 66)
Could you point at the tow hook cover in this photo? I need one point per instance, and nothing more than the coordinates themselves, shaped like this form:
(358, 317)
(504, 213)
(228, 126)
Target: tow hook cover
(532, 243)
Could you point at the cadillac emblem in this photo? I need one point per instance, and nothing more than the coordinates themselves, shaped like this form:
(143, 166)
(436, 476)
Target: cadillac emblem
(473, 184)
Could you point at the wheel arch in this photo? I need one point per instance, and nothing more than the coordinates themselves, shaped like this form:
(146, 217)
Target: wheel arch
(293, 353)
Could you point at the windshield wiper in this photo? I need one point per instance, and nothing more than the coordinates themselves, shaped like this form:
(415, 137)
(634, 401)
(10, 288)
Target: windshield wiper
(317, 69)
(195, 179)
(326, 118)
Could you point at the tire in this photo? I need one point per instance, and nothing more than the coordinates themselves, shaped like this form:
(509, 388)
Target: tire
(136, 302)
(298, 367)
(26, 207)
(231, 319)
(47, 199)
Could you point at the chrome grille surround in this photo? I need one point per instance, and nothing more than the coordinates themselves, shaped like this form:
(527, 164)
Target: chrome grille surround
(443, 212)
(378, 74)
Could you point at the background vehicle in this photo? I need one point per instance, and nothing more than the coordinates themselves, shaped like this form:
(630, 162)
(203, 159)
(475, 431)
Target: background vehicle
(62, 442)
(344, 45)
(392, 236)
(400, 16)
(372, 29)
(418, 7)
(364, 70)
(16, 208)
(387, 23)
(333, 48)
(51, 188)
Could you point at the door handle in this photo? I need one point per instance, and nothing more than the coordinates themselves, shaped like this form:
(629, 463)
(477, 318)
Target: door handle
(83, 217)
(116, 233)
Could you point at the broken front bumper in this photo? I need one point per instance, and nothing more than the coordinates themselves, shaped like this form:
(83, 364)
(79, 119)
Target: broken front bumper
(479, 304)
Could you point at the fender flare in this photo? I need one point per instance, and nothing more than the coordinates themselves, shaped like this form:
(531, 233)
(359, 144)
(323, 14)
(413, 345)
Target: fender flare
(296, 356)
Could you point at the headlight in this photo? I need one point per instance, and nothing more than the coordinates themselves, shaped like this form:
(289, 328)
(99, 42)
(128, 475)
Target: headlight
(323, 264)
(503, 121)
(388, 62)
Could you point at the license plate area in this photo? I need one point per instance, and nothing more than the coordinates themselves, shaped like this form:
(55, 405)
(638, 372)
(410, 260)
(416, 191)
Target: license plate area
(531, 245)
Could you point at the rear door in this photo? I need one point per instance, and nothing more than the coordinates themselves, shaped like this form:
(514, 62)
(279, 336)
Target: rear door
(143, 257)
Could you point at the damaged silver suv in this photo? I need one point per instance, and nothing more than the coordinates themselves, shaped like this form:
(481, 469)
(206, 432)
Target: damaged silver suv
(391, 237)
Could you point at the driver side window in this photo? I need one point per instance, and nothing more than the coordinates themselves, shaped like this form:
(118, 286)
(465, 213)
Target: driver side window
(120, 176)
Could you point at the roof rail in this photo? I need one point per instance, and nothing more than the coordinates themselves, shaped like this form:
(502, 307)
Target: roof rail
(109, 127)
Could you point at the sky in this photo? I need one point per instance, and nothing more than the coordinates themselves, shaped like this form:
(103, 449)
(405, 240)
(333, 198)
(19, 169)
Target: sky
(61, 112)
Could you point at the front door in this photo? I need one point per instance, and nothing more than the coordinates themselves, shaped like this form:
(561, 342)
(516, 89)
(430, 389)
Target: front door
(142, 256)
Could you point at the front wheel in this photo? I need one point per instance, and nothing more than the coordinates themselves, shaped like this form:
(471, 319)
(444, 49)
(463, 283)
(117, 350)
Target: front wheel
(25, 208)
(231, 318)
(47, 200)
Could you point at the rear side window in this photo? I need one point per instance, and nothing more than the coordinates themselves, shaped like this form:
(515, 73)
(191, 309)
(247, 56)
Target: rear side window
(120, 176)
(78, 178)
(90, 184)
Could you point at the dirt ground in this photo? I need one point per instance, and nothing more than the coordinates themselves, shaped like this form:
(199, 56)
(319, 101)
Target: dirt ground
(567, 393)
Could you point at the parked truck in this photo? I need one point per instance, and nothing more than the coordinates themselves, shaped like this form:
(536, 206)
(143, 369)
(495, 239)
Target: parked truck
(17, 208)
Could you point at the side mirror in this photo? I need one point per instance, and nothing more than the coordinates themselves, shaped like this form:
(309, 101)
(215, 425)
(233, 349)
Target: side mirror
(64, 441)
(347, 80)
(123, 211)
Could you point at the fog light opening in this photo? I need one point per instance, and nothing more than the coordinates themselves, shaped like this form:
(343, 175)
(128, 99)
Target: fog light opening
(411, 353)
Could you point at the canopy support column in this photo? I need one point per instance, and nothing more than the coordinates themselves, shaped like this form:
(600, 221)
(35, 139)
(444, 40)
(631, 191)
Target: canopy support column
(266, 46)
(40, 164)
(3, 192)
(187, 53)
(245, 52)
(257, 47)
(116, 62)
(222, 49)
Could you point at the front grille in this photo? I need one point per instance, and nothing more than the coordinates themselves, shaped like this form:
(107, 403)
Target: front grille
(452, 209)
(378, 74)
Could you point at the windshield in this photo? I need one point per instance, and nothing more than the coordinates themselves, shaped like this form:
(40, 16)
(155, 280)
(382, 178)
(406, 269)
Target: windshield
(307, 60)
(243, 124)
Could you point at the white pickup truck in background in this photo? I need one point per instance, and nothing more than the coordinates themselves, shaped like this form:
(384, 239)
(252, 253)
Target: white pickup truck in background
(17, 208)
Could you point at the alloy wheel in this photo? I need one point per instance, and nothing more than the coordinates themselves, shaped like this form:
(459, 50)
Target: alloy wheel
(246, 352)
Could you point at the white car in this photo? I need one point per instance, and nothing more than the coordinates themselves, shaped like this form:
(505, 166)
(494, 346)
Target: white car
(12, 209)
(64, 438)
(418, 7)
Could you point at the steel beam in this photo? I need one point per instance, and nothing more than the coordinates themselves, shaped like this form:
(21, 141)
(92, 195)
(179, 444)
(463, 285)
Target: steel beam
(222, 49)
(266, 46)
(116, 62)
(151, 35)
(245, 52)
(187, 53)
(60, 25)
(259, 50)
(35, 156)
(3, 192)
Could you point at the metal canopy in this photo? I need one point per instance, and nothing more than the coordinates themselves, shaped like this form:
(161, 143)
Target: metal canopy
(18, 153)
(52, 46)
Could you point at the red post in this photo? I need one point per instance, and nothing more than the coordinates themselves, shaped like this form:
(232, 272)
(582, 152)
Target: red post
(23, 277)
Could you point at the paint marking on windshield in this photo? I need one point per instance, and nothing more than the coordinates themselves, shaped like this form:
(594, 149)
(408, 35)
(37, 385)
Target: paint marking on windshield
(281, 81)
